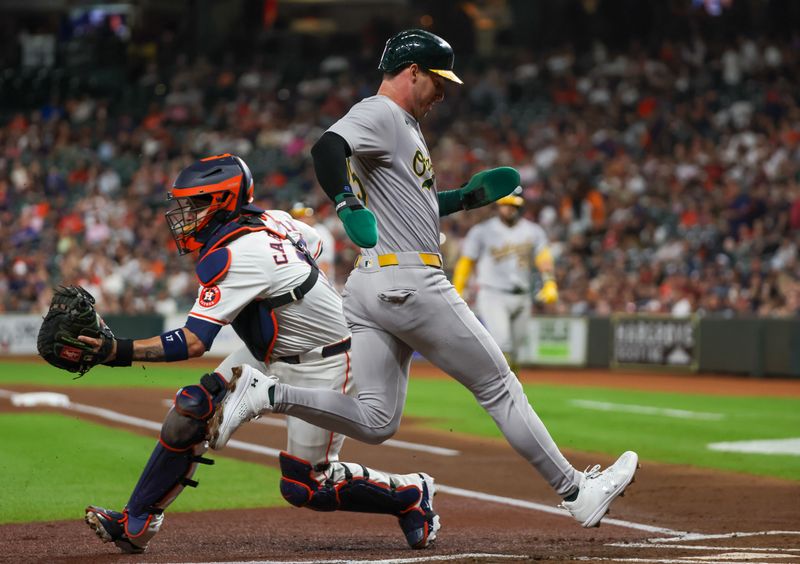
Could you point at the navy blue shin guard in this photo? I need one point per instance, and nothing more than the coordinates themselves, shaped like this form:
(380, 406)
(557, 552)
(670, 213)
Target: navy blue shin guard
(353, 493)
(178, 452)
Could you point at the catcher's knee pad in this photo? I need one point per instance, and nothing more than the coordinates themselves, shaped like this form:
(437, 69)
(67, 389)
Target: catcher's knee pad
(353, 492)
(185, 424)
(179, 450)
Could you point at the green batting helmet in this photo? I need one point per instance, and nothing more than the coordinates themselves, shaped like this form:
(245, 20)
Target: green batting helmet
(429, 51)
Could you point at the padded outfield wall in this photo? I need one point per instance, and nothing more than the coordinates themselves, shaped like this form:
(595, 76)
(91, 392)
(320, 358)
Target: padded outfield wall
(748, 346)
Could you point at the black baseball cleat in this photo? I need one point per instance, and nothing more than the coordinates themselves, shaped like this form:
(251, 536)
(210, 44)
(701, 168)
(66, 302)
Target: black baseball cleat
(421, 523)
(111, 526)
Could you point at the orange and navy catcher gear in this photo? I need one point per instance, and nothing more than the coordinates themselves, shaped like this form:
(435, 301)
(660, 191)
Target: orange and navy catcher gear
(209, 194)
(355, 490)
(355, 493)
(180, 447)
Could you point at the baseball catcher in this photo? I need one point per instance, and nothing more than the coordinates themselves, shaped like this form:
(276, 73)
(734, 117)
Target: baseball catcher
(72, 314)
(257, 271)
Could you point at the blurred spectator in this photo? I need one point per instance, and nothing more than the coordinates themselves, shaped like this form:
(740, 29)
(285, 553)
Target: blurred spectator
(667, 180)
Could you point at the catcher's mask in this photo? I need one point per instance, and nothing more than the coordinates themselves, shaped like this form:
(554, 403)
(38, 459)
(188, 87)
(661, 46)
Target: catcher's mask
(209, 193)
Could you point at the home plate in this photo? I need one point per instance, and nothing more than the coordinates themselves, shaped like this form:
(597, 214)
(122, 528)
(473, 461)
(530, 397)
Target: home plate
(768, 446)
(33, 399)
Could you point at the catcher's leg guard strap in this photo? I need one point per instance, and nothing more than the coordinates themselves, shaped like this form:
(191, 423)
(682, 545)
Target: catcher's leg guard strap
(178, 452)
(352, 489)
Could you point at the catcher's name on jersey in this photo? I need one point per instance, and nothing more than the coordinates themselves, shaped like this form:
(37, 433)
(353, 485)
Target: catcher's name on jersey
(505, 254)
(391, 163)
(265, 264)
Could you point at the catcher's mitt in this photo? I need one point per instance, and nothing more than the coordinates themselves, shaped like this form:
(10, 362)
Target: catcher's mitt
(72, 314)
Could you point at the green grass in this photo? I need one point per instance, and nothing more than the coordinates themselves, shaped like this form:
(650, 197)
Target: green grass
(140, 375)
(654, 437)
(52, 466)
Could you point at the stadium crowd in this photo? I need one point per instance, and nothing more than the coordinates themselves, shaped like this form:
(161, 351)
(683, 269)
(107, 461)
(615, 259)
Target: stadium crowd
(666, 180)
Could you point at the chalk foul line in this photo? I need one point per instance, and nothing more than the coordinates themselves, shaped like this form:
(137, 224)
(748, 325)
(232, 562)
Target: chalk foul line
(646, 410)
(274, 453)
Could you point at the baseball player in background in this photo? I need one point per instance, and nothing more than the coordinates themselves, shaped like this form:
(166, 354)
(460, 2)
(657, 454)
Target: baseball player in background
(506, 248)
(326, 263)
(256, 273)
(374, 163)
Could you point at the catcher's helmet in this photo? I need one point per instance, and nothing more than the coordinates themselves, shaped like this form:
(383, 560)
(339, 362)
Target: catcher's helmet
(429, 51)
(209, 193)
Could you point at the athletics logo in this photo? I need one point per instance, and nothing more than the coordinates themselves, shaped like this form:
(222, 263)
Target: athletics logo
(209, 296)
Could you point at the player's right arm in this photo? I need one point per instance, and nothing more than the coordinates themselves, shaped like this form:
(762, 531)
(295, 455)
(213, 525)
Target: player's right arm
(330, 165)
(470, 252)
(368, 130)
(461, 274)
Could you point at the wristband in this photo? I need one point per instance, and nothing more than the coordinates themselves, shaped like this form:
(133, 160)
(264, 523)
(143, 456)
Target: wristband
(174, 343)
(124, 356)
(449, 202)
(348, 201)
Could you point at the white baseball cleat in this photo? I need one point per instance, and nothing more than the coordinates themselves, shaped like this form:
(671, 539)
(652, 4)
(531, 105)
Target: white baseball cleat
(598, 489)
(247, 398)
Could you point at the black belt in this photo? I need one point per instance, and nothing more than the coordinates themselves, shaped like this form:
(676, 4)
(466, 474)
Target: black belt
(517, 291)
(330, 350)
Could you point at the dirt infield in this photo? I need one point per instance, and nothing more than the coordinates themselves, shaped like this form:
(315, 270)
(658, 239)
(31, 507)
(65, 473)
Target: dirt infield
(671, 514)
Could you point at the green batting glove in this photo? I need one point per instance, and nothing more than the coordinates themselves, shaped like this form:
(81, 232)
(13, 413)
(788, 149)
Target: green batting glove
(488, 186)
(359, 222)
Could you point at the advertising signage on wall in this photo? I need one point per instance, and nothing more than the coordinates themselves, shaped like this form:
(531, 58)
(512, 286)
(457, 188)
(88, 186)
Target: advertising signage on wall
(555, 341)
(651, 340)
(18, 333)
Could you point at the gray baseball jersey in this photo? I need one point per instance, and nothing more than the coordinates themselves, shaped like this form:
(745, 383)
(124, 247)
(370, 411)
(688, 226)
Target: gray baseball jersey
(391, 171)
(505, 254)
(394, 310)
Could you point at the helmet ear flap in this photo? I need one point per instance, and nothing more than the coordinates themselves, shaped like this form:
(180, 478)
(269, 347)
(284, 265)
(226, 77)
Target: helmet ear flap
(246, 190)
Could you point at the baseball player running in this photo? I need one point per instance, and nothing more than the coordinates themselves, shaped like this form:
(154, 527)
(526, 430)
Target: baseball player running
(506, 248)
(255, 273)
(374, 163)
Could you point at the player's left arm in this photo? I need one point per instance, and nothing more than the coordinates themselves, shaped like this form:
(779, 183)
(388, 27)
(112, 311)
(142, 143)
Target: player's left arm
(226, 288)
(483, 188)
(546, 267)
(161, 348)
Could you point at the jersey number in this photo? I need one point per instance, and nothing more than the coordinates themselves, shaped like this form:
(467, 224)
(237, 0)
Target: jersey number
(355, 182)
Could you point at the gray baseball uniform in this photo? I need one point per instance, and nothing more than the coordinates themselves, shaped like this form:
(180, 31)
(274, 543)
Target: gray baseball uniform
(396, 302)
(505, 256)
